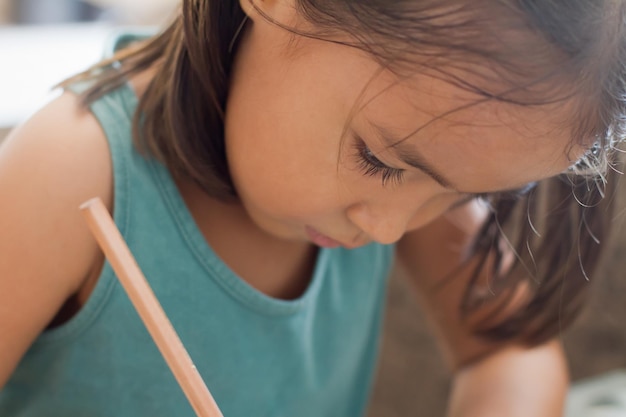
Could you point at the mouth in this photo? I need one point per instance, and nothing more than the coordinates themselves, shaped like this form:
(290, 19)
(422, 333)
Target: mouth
(322, 240)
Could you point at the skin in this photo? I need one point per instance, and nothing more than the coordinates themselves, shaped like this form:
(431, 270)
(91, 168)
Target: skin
(485, 147)
(298, 103)
(296, 99)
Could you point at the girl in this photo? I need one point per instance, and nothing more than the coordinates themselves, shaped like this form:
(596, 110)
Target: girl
(265, 159)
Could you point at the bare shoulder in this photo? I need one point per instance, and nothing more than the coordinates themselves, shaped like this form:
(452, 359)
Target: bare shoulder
(48, 167)
(436, 260)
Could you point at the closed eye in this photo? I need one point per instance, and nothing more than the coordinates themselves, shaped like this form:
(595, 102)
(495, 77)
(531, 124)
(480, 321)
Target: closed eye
(371, 166)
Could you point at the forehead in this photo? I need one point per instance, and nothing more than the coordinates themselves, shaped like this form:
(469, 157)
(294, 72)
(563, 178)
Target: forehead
(477, 144)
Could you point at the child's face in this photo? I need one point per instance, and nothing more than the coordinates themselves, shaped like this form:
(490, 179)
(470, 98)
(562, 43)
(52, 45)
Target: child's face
(301, 177)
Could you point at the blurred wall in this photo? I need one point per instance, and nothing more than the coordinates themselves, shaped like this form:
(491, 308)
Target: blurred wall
(53, 11)
(63, 37)
(5, 12)
(131, 12)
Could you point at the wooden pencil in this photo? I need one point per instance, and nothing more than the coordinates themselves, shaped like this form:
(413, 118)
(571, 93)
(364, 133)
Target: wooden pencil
(141, 295)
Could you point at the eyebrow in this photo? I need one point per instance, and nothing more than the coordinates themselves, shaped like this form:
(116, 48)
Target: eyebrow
(410, 156)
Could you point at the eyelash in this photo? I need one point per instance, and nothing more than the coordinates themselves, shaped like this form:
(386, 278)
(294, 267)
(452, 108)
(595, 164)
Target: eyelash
(372, 166)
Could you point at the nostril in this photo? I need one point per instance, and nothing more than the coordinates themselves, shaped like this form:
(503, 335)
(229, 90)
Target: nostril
(386, 232)
(360, 238)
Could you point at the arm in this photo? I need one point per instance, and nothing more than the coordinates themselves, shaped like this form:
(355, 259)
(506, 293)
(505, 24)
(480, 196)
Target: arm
(48, 166)
(512, 382)
(491, 379)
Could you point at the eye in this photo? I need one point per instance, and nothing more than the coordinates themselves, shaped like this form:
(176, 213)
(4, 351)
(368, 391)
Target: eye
(371, 166)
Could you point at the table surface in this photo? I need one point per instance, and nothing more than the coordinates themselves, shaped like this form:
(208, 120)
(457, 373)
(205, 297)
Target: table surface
(601, 396)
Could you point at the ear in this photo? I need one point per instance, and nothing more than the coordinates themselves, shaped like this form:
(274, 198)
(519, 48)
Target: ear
(276, 10)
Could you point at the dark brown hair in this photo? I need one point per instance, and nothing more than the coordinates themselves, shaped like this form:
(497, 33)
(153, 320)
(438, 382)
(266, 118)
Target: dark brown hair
(523, 52)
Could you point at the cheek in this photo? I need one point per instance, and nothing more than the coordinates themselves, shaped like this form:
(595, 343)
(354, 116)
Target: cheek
(281, 187)
(433, 209)
(284, 171)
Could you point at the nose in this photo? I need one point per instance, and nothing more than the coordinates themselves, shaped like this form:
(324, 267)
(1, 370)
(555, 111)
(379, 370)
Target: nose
(383, 226)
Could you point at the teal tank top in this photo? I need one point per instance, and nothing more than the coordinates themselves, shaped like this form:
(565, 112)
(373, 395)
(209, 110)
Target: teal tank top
(259, 356)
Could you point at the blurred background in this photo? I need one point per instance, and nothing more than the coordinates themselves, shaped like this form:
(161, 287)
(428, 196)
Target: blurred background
(44, 41)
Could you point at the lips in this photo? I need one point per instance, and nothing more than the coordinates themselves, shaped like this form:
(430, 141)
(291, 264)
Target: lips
(321, 240)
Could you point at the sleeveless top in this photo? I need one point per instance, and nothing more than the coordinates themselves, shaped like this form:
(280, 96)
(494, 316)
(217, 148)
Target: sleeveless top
(259, 356)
